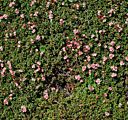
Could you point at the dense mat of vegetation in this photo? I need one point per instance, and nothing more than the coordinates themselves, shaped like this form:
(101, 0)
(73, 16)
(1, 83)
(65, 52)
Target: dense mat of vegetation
(64, 59)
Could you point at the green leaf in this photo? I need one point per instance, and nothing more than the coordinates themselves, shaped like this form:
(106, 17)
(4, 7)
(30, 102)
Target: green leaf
(42, 48)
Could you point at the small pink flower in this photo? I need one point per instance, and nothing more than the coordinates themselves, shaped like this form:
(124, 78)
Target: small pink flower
(61, 22)
(65, 57)
(11, 4)
(9, 64)
(98, 81)
(110, 23)
(112, 43)
(3, 72)
(78, 77)
(80, 53)
(1, 17)
(83, 68)
(104, 59)
(88, 58)
(117, 47)
(126, 58)
(76, 44)
(38, 63)
(5, 101)
(22, 15)
(105, 95)
(10, 96)
(12, 72)
(50, 14)
(64, 49)
(16, 11)
(81, 81)
(107, 114)
(23, 109)
(86, 48)
(111, 49)
(89, 66)
(43, 78)
(114, 68)
(75, 31)
(111, 56)
(38, 37)
(94, 54)
(36, 13)
(121, 63)
(91, 88)
(110, 88)
(113, 75)
(5, 16)
(33, 31)
(45, 94)
(90, 72)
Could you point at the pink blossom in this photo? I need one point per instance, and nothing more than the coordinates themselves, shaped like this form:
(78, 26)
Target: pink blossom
(5, 16)
(50, 14)
(98, 81)
(78, 77)
(38, 37)
(107, 113)
(45, 94)
(3, 72)
(88, 58)
(76, 44)
(9, 64)
(43, 78)
(32, 2)
(112, 43)
(94, 54)
(1, 17)
(23, 108)
(83, 68)
(86, 48)
(48, 4)
(65, 57)
(16, 11)
(113, 75)
(110, 23)
(114, 68)
(121, 63)
(111, 56)
(89, 72)
(105, 95)
(36, 13)
(12, 72)
(89, 66)
(126, 58)
(33, 31)
(64, 49)
(38, 63)
(104, 59)
(11, 4)
(5, 101)
(10, 96)
(110, 88)
(80, 53)
(22, 15)
(94, 66)
(75, 31)
(61, 22)
(117, 47)
(91, 88)
(111, 49)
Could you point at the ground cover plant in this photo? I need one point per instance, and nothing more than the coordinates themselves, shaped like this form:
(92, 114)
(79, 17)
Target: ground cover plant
(64, 59)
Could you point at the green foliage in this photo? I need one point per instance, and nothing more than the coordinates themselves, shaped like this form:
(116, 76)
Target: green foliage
(48, 52)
